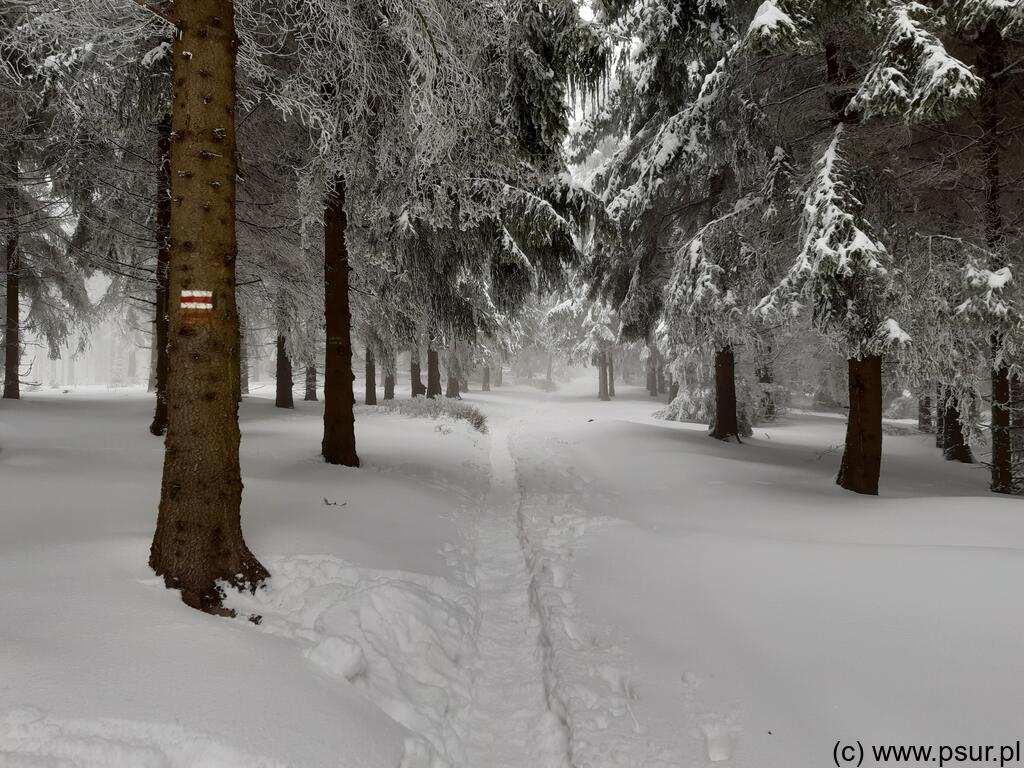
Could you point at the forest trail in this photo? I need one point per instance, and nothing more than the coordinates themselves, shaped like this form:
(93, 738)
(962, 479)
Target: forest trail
(512, 719)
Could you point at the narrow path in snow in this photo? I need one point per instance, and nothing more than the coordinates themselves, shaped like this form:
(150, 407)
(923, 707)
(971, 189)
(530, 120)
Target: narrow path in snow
(511, 721)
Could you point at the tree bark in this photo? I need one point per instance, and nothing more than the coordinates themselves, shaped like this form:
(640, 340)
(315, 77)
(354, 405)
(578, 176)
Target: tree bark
(990, 65)
(940, 413)
(611, 375)
(862, 458)
(163, 263)
(12, 327)
(310, 395)
(602, 376)
(726, 424)
(390, 364)
(243, 361)
(954, 442)
(283, 393)
(452, 390)
(487, 379)
(416, 386)
(371, 378)
(924, 414)
(198, 539)
(339, 443)
(652, 375)
(765, 377)
(433, 373)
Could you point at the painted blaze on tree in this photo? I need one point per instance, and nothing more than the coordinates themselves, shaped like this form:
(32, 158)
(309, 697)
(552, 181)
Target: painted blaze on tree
(198, 540)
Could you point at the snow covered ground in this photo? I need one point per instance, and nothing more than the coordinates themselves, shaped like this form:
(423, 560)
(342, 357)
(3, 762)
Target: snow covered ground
(584, 586)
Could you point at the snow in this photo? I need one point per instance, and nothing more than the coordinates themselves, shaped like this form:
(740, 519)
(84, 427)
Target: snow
(584, 585)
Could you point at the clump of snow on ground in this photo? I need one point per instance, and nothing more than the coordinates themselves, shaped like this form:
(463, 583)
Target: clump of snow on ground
(403, 638)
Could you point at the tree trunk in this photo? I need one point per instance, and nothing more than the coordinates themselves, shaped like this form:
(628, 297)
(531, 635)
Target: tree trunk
(924, 414)
(652, 375)
(452, 390)
(416, 386)
(283, 394)
(955, 447)
(390, 364)
(497, 373)
(990, 65)
(602, 376)
(940, 415)
(765, 378)
(726, 424)
(243, 361)
(433, 373)
(12, 328)
(198, 540)
(862, 457)
(310, 383)
(611, 375)
(487, 379)
(163, 263)
(371, 378)
(339, 443)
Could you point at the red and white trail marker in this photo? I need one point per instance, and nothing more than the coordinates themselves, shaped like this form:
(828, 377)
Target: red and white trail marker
(196, 305)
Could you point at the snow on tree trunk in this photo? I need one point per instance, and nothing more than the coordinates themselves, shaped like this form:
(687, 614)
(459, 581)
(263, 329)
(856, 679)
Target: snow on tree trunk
(283, 392)
(198, 540)
(243, 360)
(862, 455)
(163, 261)
(371, 378)
(990, 65)
(726, 425)
(339, 443)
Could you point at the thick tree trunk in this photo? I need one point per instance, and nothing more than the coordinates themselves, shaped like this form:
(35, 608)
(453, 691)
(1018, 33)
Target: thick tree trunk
(726, 425)
(433, 373)
(954, 442)
(163, 262)
(339, 443)
(487, 379)
(12, 326)
(198, 540)
(602, 376)
(924, 414)
(416, 386)
(452, 390)
(991, 65)
(283, 393)
(611, 375)
(862, 457)
(310, 395)
(371, 378)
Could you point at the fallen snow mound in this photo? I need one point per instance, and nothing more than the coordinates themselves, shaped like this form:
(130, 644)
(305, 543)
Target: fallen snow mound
(404, 639)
